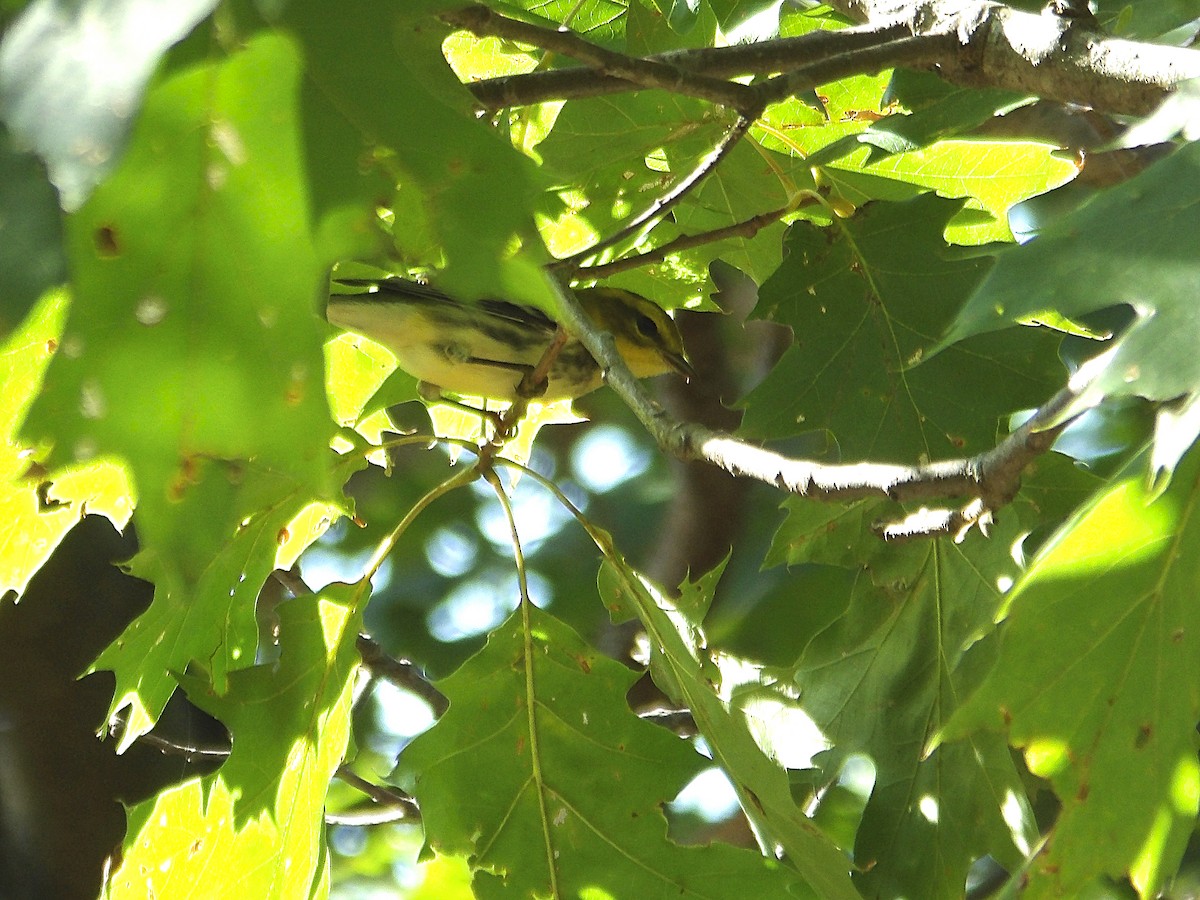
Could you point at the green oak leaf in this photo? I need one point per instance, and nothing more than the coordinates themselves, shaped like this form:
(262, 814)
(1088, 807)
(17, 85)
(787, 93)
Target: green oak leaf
(938, 110)
(256, 827)
(413, 123)
(1144, 20)
(1096, 682)
(1131, 244)
(889, 651)
(192, 351)
(37, 506)
(687, 671)
(599, 22)
(540, 773)
(204, 604)
(881, 678)
(867, 300)
(995, 175)
(600, 147)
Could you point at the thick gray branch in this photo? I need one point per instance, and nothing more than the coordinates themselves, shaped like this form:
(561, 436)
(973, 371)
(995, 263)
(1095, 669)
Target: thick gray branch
(969, 42)
(1062, 59)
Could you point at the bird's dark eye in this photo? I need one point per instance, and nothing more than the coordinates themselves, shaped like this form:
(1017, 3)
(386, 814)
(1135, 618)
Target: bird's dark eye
(646, 326)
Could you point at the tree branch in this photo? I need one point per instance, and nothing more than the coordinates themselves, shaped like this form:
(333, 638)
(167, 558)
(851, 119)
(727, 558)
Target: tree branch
(987, 482)
(643, 73)
(766, 57)
(401, 673)
(168, 747)
(1059, 58)
(914, 51)
(389, 804)
(977, 44)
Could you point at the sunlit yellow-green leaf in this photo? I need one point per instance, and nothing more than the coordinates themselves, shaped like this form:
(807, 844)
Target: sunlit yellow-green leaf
(1096, 682)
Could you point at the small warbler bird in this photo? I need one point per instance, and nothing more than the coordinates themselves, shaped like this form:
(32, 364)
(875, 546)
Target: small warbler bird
(484, 349)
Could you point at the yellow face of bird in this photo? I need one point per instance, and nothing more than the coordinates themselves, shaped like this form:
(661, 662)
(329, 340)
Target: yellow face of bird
(646, 337)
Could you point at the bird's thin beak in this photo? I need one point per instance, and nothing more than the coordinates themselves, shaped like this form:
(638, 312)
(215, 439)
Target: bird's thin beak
(679, 363)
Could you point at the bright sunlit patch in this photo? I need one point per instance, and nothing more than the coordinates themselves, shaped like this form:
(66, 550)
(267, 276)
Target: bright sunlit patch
(709, 795)
(1004, 584)
(400, 713)
(928, 806)
(480, 604)
(1147, 867)
(777, 721)
(858, 775)
(761, 26)
(1046, 757)
(1017, 550)
(473, 608)
(1122, 530)
(307, 526)
(323, 565)
(784, 731)
(606, 457)
(595, 893)
(537, 513)
(450, 552)
(1185, 786)
(1016, 818)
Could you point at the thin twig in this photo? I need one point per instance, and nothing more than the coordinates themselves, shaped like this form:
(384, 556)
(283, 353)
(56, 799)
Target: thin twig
(390, 804)
(747, 228)
(641, 73)
(168, 747)
(400, 672)
(292, 582)
(679, 721)
(375, 814)
(664, 203)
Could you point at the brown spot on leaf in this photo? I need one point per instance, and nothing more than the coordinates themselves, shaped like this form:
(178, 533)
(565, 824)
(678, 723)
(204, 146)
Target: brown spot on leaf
(188, 474)
(107, 244)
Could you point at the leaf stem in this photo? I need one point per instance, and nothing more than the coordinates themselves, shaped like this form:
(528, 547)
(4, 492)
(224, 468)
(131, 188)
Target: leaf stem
(535, 756)
(389, 543)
